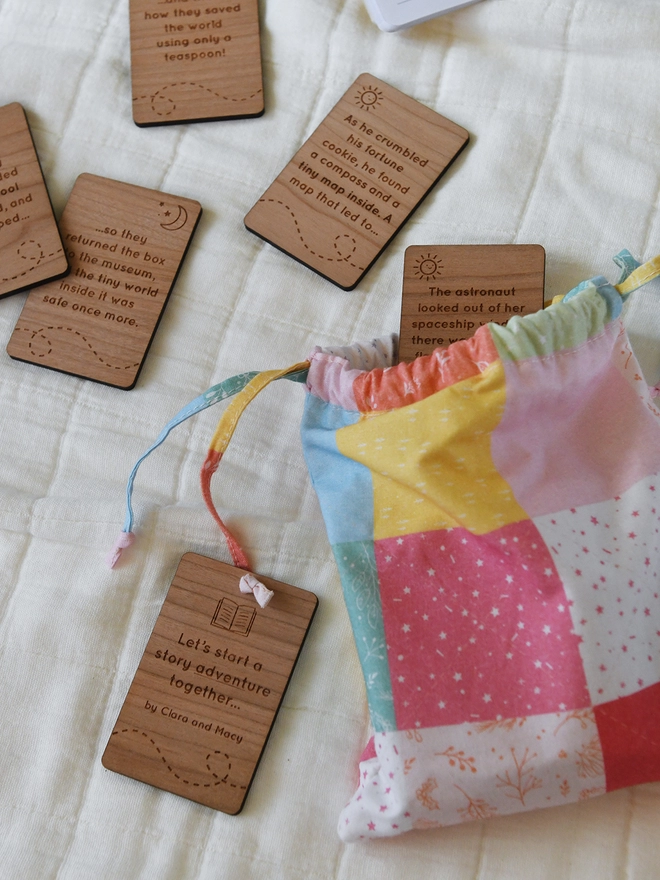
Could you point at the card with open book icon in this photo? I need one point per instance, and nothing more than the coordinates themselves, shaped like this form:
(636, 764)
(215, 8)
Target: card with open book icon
(203, 701)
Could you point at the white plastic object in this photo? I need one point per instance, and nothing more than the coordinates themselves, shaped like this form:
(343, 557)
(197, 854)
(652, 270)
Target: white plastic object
(394, 15)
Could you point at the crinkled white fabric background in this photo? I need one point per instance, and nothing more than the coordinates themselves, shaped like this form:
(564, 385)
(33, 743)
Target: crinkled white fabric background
(560, 99)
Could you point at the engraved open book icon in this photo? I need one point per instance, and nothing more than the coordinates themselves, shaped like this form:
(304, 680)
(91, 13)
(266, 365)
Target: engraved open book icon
(236, 618)
(493, 510)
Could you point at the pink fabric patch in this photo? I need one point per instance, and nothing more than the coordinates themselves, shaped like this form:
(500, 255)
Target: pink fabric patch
(574, 430)
(331, 378)
(477, 627)
(369, 751)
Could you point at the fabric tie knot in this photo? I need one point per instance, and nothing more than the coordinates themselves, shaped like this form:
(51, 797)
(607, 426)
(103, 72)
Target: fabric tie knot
(249, 584)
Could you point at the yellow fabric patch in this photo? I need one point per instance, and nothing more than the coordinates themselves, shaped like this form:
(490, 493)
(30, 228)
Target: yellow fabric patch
(431, 464)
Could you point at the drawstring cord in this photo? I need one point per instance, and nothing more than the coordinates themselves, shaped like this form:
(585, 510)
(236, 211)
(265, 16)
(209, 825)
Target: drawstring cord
(244, 388)
(220, 442)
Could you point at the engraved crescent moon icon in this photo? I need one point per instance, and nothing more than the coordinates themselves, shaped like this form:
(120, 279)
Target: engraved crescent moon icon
(172, 220)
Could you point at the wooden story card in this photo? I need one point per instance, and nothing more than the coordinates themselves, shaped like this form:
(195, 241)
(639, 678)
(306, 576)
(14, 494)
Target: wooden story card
(209, 685)
(31, 250)
(451, 290)
(356, 180)
(195, 60)
(126, 245)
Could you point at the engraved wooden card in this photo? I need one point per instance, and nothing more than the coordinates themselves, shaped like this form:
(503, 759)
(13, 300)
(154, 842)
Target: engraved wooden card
(209, 685)
(126, 245)
(451, 290)
(356, 180)
(31, 250)
(195, 60)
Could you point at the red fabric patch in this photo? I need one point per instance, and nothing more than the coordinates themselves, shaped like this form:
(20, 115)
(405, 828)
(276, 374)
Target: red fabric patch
(629, 730)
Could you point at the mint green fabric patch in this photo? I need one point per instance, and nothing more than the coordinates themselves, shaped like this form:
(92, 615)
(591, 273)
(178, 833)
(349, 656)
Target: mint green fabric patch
(356, 561)
(562, 326)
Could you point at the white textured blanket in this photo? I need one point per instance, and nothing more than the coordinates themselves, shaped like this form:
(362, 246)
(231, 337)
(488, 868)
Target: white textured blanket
(560, 99)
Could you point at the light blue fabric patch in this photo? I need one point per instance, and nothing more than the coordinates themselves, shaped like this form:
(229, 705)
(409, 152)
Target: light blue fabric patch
(344, 487)
(627, 263)
(609, 293)
(345, 492)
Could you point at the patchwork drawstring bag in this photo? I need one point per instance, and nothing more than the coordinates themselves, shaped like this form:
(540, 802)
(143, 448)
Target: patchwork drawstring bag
(494, 511)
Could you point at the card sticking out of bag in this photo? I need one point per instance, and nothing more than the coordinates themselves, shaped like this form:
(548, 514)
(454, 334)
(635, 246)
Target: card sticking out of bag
(194, 63)
(31, 249)
(126, 245)
(450, 290)
(356, 180)
(209, 685)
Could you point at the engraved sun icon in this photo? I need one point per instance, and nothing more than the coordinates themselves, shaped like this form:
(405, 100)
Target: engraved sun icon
(428, 267)
(368, 97)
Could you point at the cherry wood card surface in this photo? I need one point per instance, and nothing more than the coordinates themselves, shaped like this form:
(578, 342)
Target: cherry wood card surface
(451, 290)
(195, 60)
(31, 250)
(125, 244)
(209, 685)
(356, 180)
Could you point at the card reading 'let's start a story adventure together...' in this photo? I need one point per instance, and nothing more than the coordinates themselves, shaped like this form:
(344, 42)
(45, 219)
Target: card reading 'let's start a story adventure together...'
(205, 696)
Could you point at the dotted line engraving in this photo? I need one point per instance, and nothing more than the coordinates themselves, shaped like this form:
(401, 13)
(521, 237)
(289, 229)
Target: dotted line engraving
(340, 259)
(160, 96)
(224, 780)
(30, 255)
(40, 334)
